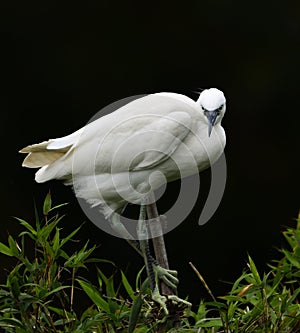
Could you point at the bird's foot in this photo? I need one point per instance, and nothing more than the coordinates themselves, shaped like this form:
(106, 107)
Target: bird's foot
(160, 299)
(177, 300)
(163, 300)
(168, 276)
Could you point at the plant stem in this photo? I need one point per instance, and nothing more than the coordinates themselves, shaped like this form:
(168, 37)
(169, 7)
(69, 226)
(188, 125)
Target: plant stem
(72, 290)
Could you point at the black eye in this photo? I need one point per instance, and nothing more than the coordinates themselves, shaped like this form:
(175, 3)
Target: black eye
(220, 108)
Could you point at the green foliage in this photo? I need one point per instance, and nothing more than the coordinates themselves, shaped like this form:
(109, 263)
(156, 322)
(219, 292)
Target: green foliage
(41, 290)
(35, 297)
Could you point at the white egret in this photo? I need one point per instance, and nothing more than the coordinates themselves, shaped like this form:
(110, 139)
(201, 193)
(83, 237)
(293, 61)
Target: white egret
(111, 160)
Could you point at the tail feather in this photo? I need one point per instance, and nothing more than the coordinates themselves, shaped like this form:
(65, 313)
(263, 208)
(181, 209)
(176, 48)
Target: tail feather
(38, 147)
(46, 156)
(40, 155)
(52, 171)
(39, 159)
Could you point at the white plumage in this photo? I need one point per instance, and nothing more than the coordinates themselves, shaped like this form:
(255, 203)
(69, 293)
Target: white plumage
(110, 160)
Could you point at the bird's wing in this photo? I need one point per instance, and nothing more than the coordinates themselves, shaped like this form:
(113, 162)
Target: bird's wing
(137, 136)
(162, 138)
(148, 141)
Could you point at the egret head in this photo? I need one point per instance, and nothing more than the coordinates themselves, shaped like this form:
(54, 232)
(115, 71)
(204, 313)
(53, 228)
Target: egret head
(213, 105)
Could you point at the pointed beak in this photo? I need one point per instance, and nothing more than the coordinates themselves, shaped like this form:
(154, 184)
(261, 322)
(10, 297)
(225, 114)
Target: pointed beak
(211, 117)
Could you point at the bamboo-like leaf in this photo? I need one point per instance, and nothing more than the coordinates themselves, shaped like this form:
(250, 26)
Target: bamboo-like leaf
(201, 312)
(37, 218)
(15, 288)
(94, 295)
(78, 259)
(57, 290)
(237, 282)
(63, 321)
(136, 307)
(110, 291)
(65, 240)
(47, 204)
(134, 313)
(5, 250)
(58, 206)
(11, 322)
(109, 284)
(289, 239)
(128, 287)
(291, 259)
(254, 271)
(26, 225)
(46, 230)
(13, 246)
(56, 241)
(61, 312)
(211, 322)
(138, 278)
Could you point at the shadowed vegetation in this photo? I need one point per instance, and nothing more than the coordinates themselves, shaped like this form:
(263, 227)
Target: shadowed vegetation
(41, 291)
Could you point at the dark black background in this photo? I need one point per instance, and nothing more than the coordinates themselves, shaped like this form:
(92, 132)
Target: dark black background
(62, 61)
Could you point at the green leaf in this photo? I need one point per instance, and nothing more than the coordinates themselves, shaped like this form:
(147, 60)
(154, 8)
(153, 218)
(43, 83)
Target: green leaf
(61, 312)
(254, 271)
(58, 206)
(37, 218)
(237, 282)
(5, 250)
(65, 240)
(13, 246)
(47, 204)
(63, 321)
(291, 259)
(138, 278)
(288, 236)
(15, 288)
(128, 287)
(201, 312)
(94, 295)
(64, 255)
(26, 225)
(137, 306)
(210, 322)
(78, 259)
(110, 291)
(109, 284)
(231, 298)
(100, 260)
(218, 305)
(56, 241)
(231, 310)
(57, 290)
(297, 237)
(45, 232)
(134, 313)
(29, 234)
(10, 322)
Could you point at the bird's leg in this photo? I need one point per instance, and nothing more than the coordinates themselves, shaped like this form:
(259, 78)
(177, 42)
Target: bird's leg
(155, 272)
(168, 276)
(144, 247)
(160, 250)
